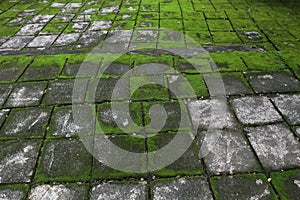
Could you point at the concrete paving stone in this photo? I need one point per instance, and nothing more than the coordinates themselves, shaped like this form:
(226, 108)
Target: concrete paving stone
(287, 184)
(64, 159)
(288, 105)
(90, 11)
(11, 193)
(275, 146)
(234, 83)
(145, 36)
(74, 5)
(242, 187)
(30, 29)
(117, 36)
(100, 25)
(66, 39)
(63, 17)
(26, 122)
(104, 89)
(91, 37)
(16, 42)
(220, 117)
(255, 110)
(26, 94)
(88, 69)
(62, 192)
(61, 91)
(273, 82)
(80, 26)
(82, 18)
(183, 188)
(116, 68)
(227, 152)
(42, 41)
(43, 72)
(187, 164)
(110, 191)
(17, 160)
(57, 5)
(5, 90)
(113, 9)
(174, 113)
(3, 115)
(41, 18)
(3, 39)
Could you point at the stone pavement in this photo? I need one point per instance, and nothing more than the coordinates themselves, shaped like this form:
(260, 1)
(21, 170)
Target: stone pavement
(254, 46)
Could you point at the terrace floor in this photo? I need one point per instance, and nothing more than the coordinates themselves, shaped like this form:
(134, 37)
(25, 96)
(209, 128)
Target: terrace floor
(79, 75)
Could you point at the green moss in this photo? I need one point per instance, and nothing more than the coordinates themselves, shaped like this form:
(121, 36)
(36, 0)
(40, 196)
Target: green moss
(54, 28)
(226, 62)
(8, 31)
(24, 188)
(170, 15)
(219, 25)
(195, 25)
(171, 24)
(244, 24)
(226, 37)
(200, 37)
(284, 183)
(147, 23)
(123, 25)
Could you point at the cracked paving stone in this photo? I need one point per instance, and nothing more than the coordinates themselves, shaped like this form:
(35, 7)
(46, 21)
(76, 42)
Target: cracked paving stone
(42, 41)
(30, 29)
(3, 115)
(16, 42)
(61, 92)
(26, 122)
(5, 90)
(255, 110)
(227, 152)
(26, 94)
(42, 18)
(275, 146)
(219, 117)
(287, 184)
(274, 82)
(100, 25)
(64, 159)
(252, 187)
(17, 160)
(54, 192)
(183, 188)
(111, 191)
(289, 106)
(66, 39)
(10, 193)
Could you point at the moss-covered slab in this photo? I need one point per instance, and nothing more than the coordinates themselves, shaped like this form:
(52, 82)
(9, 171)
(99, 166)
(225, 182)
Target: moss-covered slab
(287, 184)
(5, 90)
(64, 160)
(248, 186)
(275, 145)
(183, 188)
(26, 122)
(18, 159)
(289, 107)
(17, 192)
(225, 62)
(26, 94)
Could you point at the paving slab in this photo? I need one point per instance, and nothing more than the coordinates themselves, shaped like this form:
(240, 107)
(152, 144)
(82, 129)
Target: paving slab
(17, 193)
(4, 92)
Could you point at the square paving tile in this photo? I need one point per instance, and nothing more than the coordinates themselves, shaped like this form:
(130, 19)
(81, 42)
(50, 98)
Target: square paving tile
(207, 114)
(42, 41)
(275, 146)
(26, 122)
(119, 191)
(183, 188)
(255, 110)
(274, 82)
(64, 159)
(30, 29)
(5, 90)
(249, 186)
(71, 192)
(16, 42)
(227, 152)
(10, 192)
(66, 39)
(289, 107)
(17, 160)
(26, 94)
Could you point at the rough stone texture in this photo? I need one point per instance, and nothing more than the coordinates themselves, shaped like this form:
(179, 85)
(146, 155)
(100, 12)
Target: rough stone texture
(100, 25)
(227, 152)
(26, 94)
(255, 110)
(183, 188)
(3, 114)
(289, 106)
(10, 73)
(116, 69)
(42, 18)
(61, 91)
(110, 191)
(55, 192)
(42, 41)
(91, 37)
(65, 159)
(16, 42)
(275, 145)
(41, 73)
(211, 114)
(66, 39)
(5, 89)
(26, 122)
(17, 160)
(11, 194)
(274, 82)
(30, 29)
(241, 187)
